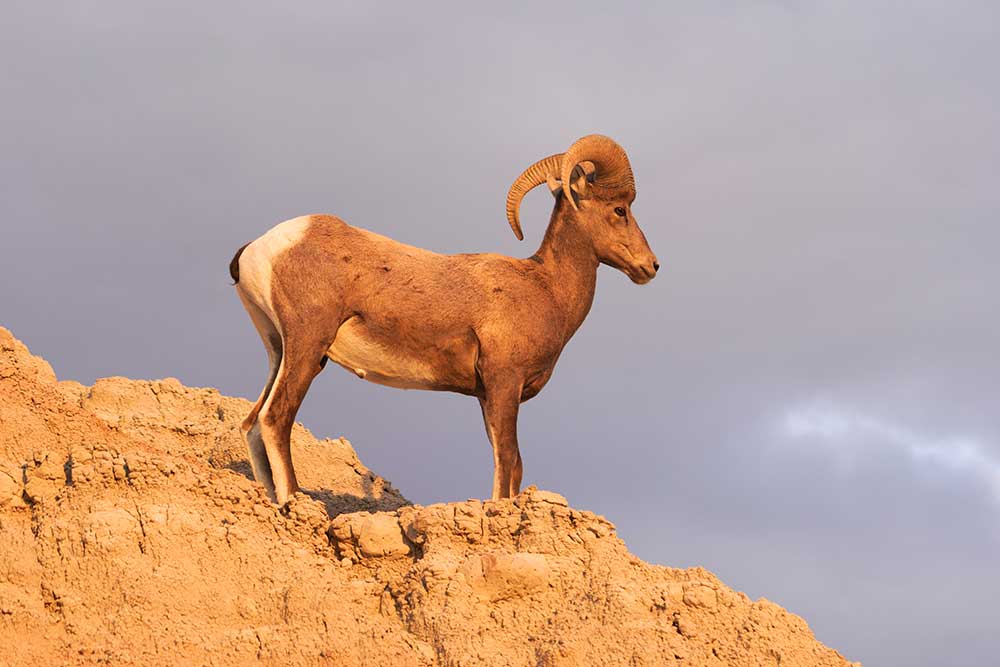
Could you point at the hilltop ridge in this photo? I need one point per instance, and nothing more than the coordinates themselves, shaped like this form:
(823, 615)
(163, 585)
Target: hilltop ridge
(133, 534)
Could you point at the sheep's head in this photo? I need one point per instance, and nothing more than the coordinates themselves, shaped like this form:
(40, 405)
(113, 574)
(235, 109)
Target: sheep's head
(595, 178)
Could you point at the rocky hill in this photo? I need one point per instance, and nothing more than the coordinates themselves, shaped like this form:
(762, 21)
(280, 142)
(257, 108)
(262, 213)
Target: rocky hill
(131, 533)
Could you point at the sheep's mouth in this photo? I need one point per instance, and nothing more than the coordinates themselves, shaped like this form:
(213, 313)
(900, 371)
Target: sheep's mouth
(637, 272)
(642, 276)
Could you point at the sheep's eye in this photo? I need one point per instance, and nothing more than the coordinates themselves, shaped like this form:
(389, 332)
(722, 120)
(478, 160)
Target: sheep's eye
(619, 211)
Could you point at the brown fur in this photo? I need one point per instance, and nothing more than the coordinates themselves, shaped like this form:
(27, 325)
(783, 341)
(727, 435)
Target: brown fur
(483, 325)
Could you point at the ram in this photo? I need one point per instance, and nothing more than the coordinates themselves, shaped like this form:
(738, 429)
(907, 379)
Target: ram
(483, 325)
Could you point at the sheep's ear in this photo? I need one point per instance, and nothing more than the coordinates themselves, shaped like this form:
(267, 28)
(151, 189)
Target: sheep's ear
(555, 186)
(583, 174)
(581, 179)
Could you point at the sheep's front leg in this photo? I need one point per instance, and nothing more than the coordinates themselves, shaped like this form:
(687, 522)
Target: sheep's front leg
(500, 405)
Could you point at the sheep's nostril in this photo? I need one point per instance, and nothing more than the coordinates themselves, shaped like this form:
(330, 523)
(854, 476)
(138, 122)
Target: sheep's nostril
(656, 266)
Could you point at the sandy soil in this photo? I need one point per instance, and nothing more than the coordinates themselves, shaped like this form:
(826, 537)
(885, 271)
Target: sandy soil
(131, 533)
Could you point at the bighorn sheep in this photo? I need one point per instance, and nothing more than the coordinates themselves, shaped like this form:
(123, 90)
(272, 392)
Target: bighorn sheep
(483, 325)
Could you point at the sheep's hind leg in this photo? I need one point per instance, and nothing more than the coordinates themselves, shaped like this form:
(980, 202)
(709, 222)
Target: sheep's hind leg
(250, 427)
(299, 365)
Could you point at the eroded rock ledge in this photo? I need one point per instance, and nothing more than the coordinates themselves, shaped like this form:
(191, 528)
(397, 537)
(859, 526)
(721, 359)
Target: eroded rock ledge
(133, 535)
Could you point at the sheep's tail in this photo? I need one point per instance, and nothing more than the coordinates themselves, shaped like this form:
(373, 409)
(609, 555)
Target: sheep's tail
(234, 266)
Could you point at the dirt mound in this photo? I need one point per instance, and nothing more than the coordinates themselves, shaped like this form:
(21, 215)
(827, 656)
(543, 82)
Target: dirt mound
(133, 535)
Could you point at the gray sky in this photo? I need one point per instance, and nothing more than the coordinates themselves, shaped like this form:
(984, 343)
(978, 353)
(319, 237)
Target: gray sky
(804, 401)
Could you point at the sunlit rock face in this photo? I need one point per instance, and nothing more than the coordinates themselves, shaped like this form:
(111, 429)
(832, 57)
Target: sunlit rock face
(133, 534)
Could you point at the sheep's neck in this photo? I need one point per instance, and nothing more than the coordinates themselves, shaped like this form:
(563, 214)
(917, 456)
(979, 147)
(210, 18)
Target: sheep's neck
(571, 265)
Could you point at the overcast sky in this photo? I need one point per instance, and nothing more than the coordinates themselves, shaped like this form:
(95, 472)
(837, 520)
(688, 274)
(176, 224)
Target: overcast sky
(805, 401)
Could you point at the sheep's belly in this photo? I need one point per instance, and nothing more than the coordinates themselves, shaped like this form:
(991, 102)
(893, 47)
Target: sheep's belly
(451, 366)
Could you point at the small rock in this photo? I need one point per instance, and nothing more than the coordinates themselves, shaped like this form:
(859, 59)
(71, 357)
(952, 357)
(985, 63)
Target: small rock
(549, 497)
(380, 535)
(9, 487)
(700, 596)
(600, 528)
(686, 626)
(501, 576)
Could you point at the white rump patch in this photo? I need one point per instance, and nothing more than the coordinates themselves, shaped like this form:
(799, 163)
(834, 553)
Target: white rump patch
(257, 261)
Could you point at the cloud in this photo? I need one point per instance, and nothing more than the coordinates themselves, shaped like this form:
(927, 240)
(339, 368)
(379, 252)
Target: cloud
(848, 432)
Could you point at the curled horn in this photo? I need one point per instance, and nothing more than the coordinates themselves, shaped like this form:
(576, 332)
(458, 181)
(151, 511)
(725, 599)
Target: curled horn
(533, 176)
(610, 162)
